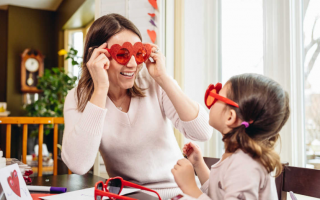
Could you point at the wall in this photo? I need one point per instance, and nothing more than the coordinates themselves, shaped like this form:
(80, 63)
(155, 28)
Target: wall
(3, 54)
(22, 28)
(27, 28)
(3, 68)
(64, 12)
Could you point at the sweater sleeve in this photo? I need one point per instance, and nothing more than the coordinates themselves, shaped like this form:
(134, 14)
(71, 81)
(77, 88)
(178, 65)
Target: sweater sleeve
(82, 134)
(204, 188)
(204, 197)
(197, 129)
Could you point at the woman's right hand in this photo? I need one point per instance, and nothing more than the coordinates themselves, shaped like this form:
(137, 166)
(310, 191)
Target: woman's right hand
(192, 151)
(98, 65)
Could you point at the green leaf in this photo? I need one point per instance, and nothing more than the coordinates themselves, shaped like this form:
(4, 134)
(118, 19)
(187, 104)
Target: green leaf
(74, 62)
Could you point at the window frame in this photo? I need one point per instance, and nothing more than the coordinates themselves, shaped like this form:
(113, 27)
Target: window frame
(283, 46)
(67, 33)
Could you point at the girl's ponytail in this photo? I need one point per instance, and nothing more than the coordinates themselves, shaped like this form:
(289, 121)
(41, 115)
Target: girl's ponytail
(264, 104)
(261, 151)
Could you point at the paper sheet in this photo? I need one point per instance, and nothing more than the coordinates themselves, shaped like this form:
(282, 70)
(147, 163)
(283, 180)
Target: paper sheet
(17, 188)
(85, 194)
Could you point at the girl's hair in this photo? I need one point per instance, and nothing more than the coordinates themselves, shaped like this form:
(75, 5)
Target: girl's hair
(265, 106)
(100, 32)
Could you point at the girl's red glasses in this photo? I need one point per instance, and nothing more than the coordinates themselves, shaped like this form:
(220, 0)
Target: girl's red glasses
(113, 187)
(122, 54)
(212, 96)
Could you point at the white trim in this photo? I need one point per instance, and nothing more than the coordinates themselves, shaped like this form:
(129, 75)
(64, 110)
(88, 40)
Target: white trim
(277, 60)
(297, 84)
(161, 23)
(96, 165)
(97, 4)
(127, 9)
(213, 147)
(283, 62)
(169, 36)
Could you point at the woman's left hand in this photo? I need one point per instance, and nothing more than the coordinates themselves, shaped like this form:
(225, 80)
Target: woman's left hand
(183, 173)
(156, 69)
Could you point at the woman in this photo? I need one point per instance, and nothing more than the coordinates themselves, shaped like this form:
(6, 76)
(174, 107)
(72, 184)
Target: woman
(122, 110)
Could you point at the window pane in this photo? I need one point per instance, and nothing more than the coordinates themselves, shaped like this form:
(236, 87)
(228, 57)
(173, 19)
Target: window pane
(76, 41)
(311, 30)
(242, 37)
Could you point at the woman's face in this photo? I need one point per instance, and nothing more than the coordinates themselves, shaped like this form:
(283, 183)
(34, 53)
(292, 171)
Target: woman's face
(123, 76)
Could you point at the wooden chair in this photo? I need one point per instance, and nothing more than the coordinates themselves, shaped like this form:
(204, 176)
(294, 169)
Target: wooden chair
(301, 181)
(33, 120)
(279, 179)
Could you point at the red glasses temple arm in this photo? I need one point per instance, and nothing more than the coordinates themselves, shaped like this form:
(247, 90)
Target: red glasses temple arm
(226, 100)
(127, 183)
(108, 194)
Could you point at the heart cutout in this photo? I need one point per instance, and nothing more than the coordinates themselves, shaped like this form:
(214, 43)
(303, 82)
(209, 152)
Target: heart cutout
(153, 3)
(152, 14)
(153, 35)
(14, 184)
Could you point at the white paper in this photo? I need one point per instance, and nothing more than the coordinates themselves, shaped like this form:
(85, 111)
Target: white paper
(85, 194)
(5, 189)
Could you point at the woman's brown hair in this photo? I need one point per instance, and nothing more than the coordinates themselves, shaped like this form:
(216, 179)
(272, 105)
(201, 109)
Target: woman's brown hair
(265, 105)
(100, 32)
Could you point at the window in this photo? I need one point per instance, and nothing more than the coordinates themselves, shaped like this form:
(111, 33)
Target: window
(75, 38)
(76, 42)
(241, 37)
(222, 38)
(311, 33)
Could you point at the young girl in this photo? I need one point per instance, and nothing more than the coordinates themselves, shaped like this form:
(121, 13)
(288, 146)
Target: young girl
(249, 111)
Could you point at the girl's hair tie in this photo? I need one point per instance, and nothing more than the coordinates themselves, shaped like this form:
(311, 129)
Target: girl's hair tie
(246, 124)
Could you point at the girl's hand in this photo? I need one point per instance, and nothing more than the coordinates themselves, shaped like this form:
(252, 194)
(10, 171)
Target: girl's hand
(183, 173)
(156, 69)
(98, 65)
(192, 151)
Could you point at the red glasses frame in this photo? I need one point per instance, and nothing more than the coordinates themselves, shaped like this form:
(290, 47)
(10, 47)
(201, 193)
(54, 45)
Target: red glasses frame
(212, 96)
(122, 54)
(106, 192)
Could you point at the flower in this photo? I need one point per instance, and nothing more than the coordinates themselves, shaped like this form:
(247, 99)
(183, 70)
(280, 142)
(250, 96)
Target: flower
(62, 52)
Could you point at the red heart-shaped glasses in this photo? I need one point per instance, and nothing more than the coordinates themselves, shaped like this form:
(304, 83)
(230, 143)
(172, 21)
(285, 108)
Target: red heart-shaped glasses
(212, 96)
(122, 54)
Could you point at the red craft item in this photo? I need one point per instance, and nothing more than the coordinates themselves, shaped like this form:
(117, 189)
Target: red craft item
(152, 14)
(113, 187)
(153, 3)
(212, 96)
(152, 35)
(27, 180)
(36, 196)
(14, 184)
(122, 54)
(28, 172)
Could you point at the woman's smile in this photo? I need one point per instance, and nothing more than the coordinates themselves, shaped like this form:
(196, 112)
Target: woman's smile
(128, 74)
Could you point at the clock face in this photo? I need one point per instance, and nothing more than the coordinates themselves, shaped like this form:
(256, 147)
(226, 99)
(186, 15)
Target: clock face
(32, 65)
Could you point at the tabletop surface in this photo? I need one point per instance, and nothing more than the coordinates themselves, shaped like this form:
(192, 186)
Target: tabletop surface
(77, 182)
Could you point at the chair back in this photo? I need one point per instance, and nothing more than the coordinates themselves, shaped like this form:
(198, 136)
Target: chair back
(33, 120)
(302, 181)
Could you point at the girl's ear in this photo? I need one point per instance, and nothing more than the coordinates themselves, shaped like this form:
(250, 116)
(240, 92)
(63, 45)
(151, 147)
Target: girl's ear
(232, 119)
